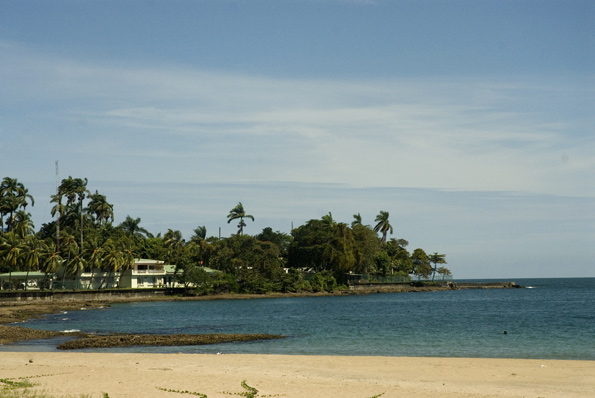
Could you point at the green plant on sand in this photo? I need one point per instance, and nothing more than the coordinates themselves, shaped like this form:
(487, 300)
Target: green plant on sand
(249, 392)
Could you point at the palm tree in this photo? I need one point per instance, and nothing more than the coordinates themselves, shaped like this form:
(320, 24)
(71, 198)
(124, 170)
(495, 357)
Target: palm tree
(75, 189)
(11, 253)
(239, 212)
(69, 246)
(33, 253)
(59, 209)
(112, 260)
(51, 260)
(328, 219)
(436, 259)
(13, 195)
(99, 207)
(82, 192)
(93, 256)
(132, 228)
(200, 234)
(23, 225)
(127, 256)
(77, 262)
(357, 220)
(174, 243)
(383, 225)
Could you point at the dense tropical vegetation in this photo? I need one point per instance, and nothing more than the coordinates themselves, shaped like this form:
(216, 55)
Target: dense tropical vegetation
(320, 255)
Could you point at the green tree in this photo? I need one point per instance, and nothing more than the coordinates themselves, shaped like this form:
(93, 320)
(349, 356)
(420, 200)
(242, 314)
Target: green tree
(113, 261)
(76, 264)
(400, 258)
(127, 248)
(131, 226)
(382, 225)
(33, 255)
(436, 259)
(174, 243)
(383, 263)
(52, 260)
(93, 255)
(68, 246)
(328, 219)
(23, 224)
(322, 246)
(236, 213)
(357, 220)
(100, 208)
(444, 272)
(11, 254)
(280, 239)
(200, 234)
(75, 190)
(421, 264)
(13, 196)
(367, 244)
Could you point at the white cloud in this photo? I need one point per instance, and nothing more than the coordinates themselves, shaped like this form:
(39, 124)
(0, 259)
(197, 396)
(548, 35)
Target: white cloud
(438, 133)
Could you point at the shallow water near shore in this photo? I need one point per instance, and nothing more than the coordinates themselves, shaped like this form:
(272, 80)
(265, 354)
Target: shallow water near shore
(550, 319)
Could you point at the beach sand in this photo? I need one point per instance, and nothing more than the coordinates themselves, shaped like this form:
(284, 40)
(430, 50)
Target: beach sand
(141, 375)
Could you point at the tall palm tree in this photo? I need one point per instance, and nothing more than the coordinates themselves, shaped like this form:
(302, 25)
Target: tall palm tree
(238, 212)
(82, 192)
(75, 190)
(58, 209)
(383, 226)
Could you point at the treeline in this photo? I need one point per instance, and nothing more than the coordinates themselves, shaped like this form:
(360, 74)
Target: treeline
(322, 254)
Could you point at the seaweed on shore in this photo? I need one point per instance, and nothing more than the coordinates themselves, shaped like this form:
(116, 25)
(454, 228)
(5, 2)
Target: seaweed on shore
(128, 340)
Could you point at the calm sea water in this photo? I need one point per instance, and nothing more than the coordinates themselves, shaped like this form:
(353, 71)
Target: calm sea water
(551, 319)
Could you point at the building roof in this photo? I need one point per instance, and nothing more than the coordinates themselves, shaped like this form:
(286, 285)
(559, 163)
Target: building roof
(23, 275)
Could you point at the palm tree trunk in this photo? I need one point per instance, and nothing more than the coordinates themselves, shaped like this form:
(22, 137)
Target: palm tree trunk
(91, 280)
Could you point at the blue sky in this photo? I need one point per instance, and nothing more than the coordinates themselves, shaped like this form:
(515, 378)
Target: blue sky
(471, 122)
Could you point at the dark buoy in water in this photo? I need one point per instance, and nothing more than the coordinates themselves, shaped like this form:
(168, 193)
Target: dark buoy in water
(505, 332)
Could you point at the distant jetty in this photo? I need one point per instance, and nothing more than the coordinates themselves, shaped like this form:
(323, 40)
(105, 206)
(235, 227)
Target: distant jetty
(392, 287)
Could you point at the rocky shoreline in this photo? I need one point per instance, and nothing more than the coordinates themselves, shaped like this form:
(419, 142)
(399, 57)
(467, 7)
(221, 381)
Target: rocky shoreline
(129, 340)
(12, 313)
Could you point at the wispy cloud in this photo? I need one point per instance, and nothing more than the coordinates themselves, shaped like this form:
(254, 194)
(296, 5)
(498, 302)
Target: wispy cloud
(441, 133)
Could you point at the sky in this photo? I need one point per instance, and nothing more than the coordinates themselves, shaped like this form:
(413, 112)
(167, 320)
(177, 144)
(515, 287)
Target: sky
(471, 122)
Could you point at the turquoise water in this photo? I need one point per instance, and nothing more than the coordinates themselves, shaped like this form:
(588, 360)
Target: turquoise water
(552, 319)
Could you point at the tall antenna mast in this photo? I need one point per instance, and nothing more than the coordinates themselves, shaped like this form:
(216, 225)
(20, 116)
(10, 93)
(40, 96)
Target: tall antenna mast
(59, 210)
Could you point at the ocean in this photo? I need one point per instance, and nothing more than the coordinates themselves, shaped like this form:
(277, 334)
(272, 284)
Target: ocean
(548, 319)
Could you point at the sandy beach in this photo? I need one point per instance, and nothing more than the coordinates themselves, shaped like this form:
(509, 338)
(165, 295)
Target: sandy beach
(149, 375)
(73, 374)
